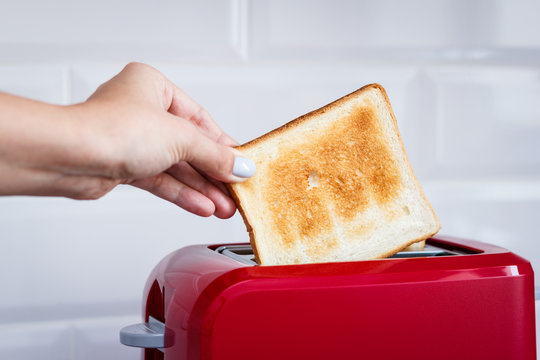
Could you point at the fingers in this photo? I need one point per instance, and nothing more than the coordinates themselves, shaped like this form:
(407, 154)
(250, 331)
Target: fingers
(185, 187)
(185, 107)
(219, 161)
(168, 188)
(224, 205)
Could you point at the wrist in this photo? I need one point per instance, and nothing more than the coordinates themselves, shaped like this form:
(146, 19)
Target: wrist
(33, 134)
(92, 145)
(47, 150)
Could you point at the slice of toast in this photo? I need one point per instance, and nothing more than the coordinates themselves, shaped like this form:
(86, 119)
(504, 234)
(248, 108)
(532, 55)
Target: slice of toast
(333, 185)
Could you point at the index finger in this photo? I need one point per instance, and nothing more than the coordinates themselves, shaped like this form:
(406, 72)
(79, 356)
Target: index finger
(184, 106)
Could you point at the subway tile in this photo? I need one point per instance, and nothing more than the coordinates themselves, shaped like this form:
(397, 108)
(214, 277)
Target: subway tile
(500, 212)
(65, 309)
(70, 256)
(75, 339)
(120, 30)
(35, 341)
(391, 30)
(486, 121)
(99, 339)
(39, 82)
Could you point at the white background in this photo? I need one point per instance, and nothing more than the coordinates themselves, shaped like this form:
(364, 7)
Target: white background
(463, 78)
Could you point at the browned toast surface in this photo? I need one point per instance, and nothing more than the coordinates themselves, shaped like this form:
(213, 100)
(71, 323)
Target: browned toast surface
(318, 174)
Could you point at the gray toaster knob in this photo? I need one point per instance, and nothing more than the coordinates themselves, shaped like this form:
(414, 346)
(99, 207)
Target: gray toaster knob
(150, 334)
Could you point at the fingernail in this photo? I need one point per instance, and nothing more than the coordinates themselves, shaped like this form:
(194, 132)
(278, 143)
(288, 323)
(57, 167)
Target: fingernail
(243, 167)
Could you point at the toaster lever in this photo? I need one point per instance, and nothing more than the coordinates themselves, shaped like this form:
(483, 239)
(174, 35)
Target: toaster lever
(150, 334)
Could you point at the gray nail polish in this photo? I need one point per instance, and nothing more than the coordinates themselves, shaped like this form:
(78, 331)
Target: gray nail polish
(243, 167)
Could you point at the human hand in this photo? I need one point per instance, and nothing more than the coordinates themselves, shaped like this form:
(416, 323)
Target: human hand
(164, 142)
(139, 129)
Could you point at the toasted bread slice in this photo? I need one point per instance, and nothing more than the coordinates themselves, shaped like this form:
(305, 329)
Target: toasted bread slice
(417, 246)
(333, 185)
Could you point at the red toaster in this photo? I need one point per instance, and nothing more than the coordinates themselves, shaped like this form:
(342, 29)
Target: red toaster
(456, 299)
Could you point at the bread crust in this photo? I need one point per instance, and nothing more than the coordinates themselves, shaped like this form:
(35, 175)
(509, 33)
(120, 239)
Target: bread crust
(307, 117)
(249, 228)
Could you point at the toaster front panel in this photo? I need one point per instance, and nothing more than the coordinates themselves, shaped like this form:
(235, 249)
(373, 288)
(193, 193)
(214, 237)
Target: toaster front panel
(464, 315)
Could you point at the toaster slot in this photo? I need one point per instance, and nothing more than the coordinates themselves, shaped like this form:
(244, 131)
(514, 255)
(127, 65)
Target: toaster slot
(241, 253)
(244, 253)
(429, 251)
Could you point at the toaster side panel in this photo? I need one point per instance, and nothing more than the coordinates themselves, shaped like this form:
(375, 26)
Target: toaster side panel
(172, 290)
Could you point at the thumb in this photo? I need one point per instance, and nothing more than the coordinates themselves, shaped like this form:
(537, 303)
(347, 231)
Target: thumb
(221, 162)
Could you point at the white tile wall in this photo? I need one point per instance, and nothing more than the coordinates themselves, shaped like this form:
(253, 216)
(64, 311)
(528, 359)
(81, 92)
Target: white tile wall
(91, 252)
(487, 121)
(463, 78)
(98, 339)
(80, 339)
(40, 82)
(46, 340)
(500, 212)
(120, 30)
(382, 30)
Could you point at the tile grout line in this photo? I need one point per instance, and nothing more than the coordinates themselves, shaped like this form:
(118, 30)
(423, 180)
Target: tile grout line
(245, 28)
(70, 323)
(240, 24)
